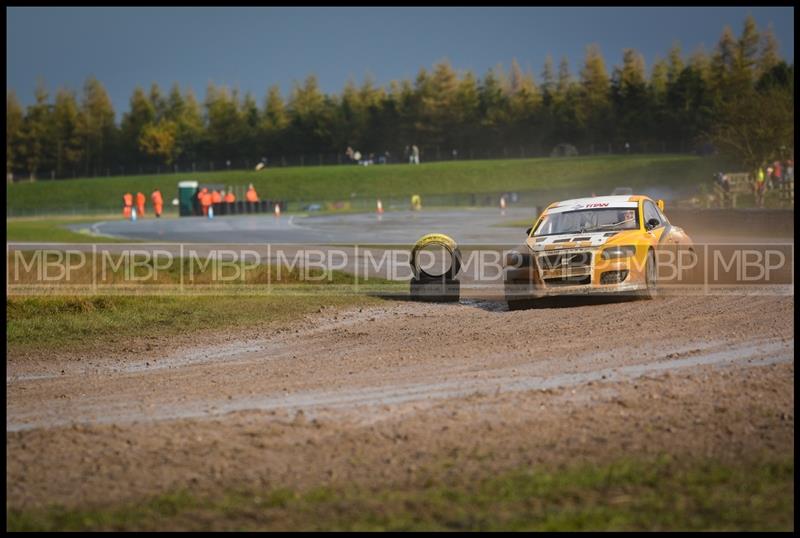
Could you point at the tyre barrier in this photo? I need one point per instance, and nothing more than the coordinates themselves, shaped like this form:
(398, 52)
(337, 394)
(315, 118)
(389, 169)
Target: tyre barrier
(430, 285)
(241, 207)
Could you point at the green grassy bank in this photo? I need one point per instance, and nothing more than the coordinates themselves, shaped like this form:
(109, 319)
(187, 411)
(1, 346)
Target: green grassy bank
(591, 173)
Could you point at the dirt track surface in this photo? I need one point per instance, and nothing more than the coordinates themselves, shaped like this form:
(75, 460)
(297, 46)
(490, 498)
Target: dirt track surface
(383, 394)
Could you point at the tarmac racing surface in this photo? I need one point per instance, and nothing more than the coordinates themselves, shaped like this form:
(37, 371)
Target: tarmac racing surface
(394, 227)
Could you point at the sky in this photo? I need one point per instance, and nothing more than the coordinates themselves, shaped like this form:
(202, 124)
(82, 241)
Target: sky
(254, 48)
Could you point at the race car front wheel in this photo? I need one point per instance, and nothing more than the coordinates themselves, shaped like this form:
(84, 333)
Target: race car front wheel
(650, 290)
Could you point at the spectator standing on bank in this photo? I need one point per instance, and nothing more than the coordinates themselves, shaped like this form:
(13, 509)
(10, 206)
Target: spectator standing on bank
(760, 186)
(777, 173)
(414, 154)
(726, 190)
(158, 202)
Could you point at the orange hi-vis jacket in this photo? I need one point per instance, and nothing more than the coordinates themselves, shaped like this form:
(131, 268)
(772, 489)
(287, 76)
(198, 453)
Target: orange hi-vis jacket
(230, 197)
(158, 202)
(251, 196)
(127, 199)
(216, 197)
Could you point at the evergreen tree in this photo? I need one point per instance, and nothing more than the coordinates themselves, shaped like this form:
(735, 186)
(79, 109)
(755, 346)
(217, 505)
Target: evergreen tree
(158, 140)
(747, 51)
(515, 79)
(141, 113)
(675, 63)
(701, 64)
(306, 107)
(660, 125)
(439, 105)
(493, 108)
(191, 133)
(97, 128)
(275, 120)
(250, 122)
(467, 105)
(175, 104)
(630, 98)
(14, 119)
(564, 78)
(37, 133)
(157, 101)
(66, 119)
(769, 57)
(548, 80)
(594, 110)
(723, 64)
(660, 79)
(223, 124)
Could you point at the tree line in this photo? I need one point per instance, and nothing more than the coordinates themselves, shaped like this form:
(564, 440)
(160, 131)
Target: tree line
(740, 98)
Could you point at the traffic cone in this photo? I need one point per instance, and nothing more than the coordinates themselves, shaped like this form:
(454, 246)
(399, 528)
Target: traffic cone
(380, 207)
(277, 210)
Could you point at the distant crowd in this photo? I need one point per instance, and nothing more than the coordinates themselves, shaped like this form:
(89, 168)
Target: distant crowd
(767, 177)
(355, 157)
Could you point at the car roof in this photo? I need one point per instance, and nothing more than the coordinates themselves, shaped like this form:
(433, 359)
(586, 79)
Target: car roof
(610, 202)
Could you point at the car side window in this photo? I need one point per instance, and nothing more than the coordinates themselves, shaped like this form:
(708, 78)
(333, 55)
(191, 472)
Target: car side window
(662, 217)
(651, 212)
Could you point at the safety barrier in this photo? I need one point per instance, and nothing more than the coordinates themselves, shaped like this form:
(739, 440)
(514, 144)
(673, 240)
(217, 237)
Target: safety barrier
(243, 207)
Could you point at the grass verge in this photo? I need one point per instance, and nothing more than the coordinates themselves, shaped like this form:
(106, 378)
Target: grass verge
(630, 494)
(39, 324)
(52, 230)
(184, 296)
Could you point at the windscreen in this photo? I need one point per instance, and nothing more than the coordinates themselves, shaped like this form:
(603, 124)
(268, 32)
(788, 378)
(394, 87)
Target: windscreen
(588, 220)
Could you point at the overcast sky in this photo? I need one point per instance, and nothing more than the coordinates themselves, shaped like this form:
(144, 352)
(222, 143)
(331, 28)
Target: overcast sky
(253, 48)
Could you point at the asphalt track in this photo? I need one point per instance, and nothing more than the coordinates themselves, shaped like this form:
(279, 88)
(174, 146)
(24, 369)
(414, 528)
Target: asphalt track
(474, 226)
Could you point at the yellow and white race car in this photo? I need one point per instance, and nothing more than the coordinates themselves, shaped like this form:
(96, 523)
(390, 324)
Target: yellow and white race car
(604, 244)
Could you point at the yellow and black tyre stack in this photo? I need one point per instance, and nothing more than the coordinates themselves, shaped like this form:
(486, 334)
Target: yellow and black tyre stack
(436, 287)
